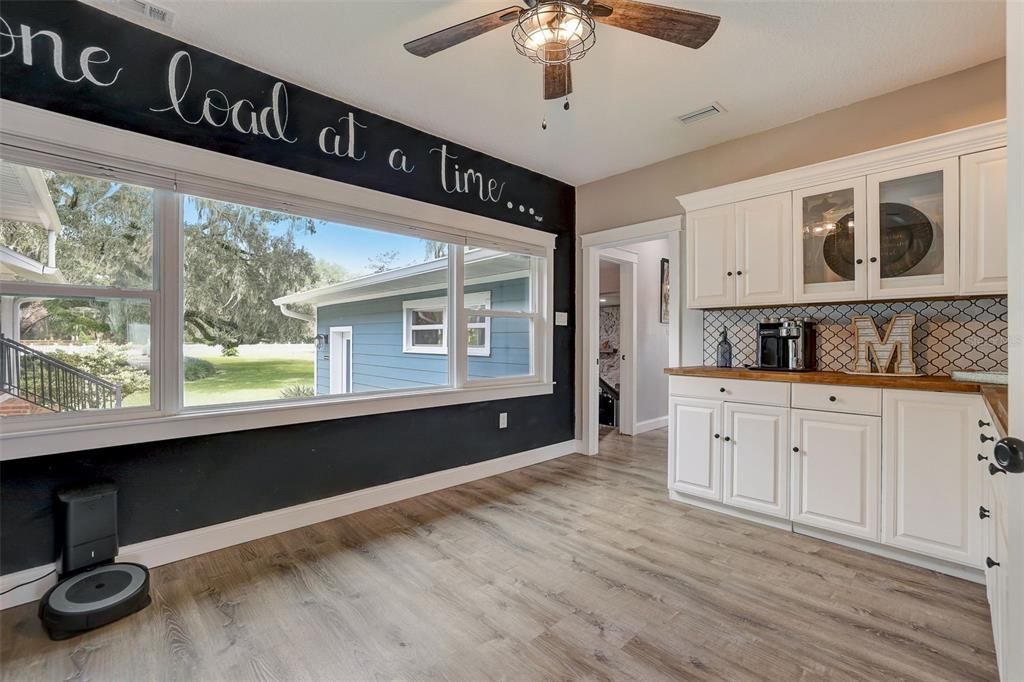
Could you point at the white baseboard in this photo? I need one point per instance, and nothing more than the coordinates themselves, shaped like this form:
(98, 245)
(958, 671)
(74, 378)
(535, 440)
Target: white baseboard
(650, 425)
(191, 543)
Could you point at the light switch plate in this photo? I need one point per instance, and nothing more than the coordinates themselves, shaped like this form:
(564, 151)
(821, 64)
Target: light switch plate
(562, 319)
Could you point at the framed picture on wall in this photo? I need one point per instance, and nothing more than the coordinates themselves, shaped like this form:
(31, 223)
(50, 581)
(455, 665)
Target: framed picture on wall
(664, 291)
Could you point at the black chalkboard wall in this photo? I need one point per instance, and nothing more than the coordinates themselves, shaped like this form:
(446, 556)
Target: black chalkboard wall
(135, 80)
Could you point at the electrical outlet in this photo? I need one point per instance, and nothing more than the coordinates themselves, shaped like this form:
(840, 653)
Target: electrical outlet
(503, 420)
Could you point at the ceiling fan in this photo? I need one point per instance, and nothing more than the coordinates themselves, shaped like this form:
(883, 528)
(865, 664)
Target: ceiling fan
(557, 32)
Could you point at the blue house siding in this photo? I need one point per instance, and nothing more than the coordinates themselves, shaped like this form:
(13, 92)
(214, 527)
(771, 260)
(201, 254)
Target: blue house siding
(377, 357)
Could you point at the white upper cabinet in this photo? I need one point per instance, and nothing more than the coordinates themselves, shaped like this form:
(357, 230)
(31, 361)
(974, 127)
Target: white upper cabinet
(756, 468)
(695, 447)
(913, 231)
(931, 482)
(830, 242)
(711, 257)
(764, 252)
(983, 244)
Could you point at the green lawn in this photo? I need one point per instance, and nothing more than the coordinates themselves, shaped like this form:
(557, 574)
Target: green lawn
(241, 380)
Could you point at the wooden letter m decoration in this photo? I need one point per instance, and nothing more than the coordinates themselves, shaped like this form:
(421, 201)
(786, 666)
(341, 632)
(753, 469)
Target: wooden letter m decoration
(896, 348)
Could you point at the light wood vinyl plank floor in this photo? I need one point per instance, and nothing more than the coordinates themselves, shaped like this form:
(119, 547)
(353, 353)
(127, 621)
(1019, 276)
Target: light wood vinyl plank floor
(575, 568)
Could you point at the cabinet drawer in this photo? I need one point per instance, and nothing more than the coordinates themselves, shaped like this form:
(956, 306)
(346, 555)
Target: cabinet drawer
(857, 400)
(732, 390)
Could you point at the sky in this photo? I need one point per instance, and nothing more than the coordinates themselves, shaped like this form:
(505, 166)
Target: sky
(350, 247)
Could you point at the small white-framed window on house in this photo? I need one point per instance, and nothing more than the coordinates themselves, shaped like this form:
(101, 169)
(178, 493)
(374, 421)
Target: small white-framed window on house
(425, 325)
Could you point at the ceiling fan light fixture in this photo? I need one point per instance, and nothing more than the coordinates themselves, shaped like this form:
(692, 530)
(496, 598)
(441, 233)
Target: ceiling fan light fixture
(554, 32)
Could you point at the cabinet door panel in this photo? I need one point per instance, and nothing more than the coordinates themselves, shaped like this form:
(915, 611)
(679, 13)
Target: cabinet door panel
(983, 232)
(711, 257)
(695, 461)
(931, 483)
(836, 472)
(913, 231)
(756, 460)
(764, 251)
(830, 243)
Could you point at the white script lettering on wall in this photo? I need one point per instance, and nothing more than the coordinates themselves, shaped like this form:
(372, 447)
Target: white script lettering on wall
(875, 355)
(455, 180)
(331, 141)
(87, 58)
(399, 161)
(217, 109)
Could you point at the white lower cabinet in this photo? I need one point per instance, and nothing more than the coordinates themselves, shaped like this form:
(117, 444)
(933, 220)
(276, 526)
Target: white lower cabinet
(695, 447)
(836, 464)
(930, 479)
(756, 458)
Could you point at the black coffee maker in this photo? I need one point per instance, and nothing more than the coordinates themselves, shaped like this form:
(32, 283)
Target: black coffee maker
(786, 344)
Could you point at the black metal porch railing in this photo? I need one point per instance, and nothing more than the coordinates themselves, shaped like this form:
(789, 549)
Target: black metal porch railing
(50, 383)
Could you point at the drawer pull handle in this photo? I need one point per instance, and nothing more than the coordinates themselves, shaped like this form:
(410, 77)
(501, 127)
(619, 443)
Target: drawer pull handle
(717, 436)
(983, 424)
(992, 469)
(990, 563)
(985, 438)
(721, 390)
(981, 457)
(796, 449)
(983, 513)
(831, 398)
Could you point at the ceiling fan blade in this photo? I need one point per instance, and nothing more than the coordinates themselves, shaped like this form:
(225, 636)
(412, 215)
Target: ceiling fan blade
(679, 26)
(453, 35)
(557, 81)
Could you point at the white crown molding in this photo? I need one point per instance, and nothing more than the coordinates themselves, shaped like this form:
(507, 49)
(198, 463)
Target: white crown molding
(165, 550)
(943, 146)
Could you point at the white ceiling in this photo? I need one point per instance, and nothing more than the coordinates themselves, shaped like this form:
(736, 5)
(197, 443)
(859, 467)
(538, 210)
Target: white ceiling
(770, 63)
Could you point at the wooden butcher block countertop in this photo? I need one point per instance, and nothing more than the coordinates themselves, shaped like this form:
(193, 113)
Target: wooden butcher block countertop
(995, 395)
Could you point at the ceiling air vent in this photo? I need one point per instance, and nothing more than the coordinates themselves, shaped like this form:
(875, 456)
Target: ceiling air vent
(710, 110)
(151, 11)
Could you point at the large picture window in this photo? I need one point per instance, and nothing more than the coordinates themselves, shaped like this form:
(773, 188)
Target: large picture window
(124, 297)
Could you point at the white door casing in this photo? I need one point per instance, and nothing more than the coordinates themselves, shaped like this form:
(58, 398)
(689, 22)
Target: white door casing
(695, 447)
(837, 462)
(340, 342)
(755, 453)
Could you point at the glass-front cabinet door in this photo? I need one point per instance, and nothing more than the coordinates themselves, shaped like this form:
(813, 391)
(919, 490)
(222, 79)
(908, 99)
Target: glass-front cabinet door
(913, 231)
(830, 242)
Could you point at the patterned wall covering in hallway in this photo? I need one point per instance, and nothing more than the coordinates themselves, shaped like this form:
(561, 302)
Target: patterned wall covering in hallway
(950, 335)
(609, 327)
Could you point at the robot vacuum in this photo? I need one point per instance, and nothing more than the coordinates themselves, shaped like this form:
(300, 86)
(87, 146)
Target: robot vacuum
(94, 597)
(92, 589)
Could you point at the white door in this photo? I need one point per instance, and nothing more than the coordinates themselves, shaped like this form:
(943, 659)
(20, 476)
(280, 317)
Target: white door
(913, 231)
(764, 250)
(931, 484)
(756, 459)
(830, 242)
(837, 466)
(340, 341)
(695, 447)
(983, 234)
(711, 257)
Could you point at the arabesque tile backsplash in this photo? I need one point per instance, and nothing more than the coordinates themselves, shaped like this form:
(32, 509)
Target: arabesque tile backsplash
(949, 335)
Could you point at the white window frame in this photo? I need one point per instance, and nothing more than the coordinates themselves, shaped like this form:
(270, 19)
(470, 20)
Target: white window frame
(43, 139)
(441, 303)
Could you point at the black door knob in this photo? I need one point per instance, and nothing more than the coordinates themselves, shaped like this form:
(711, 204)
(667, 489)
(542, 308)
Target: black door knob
(993, 470)
(728, 274)
(990, 563)
(831, 398)
(1009, 454)
(739, 272)
(873, 259)
(796, 449)
(983, 513)
(717, 436)
(983, 424)
(721, 390)
(860, 261)
(983, 438)
(727, 439)
(981, 457)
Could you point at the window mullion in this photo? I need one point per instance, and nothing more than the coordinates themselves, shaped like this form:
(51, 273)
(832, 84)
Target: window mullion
(458, 340)
(168, 336)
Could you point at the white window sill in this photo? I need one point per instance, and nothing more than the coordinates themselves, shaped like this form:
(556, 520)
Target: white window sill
(32, 443)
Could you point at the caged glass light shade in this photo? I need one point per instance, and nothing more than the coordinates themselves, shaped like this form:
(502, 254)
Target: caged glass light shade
(554, 32)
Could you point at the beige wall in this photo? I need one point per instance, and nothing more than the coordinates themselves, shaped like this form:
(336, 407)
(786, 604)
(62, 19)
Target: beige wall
(958, 100)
